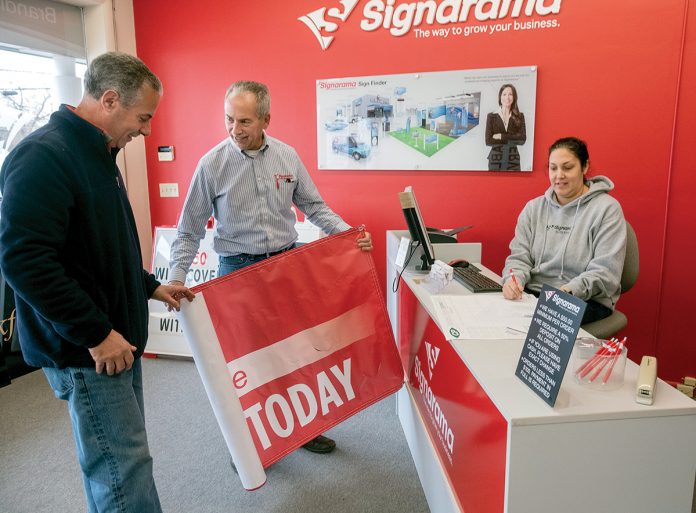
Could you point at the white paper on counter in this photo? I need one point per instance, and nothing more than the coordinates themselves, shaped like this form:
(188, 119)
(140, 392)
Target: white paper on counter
(211, 365)
(483, 316)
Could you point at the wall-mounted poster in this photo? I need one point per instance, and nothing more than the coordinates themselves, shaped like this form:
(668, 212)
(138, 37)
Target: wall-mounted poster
(467, 120)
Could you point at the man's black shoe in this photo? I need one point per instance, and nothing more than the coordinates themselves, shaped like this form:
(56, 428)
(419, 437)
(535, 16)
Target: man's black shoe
(320, 445)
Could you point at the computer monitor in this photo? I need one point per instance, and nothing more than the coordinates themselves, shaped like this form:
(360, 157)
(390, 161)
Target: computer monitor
(416, 227)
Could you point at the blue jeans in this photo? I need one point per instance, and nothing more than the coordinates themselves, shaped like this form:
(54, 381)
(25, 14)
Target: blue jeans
(229, 264)
(108, 420)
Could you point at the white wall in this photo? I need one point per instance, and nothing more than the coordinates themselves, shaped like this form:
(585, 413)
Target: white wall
(109, 26)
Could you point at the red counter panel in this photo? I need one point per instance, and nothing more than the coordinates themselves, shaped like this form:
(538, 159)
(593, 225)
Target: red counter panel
(465, 427)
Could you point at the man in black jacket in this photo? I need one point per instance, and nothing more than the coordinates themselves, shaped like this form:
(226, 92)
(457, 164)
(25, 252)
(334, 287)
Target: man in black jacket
(69, 249)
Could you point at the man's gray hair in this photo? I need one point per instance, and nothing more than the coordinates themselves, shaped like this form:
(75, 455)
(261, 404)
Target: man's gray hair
(122, 73)
(259, 90)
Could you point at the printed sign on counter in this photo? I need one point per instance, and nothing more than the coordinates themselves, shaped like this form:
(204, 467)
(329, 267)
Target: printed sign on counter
(549, 342)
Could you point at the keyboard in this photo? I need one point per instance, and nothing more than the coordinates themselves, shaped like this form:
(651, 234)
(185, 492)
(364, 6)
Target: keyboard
(473, 280)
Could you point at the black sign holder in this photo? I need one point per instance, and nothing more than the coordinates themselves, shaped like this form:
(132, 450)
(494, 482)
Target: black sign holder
(549, 342)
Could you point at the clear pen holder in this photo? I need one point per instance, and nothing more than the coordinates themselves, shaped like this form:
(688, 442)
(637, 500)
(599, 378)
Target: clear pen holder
(599, 364)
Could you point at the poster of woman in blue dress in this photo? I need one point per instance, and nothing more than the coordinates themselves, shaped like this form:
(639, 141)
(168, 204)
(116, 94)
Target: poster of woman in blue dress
(505, 130)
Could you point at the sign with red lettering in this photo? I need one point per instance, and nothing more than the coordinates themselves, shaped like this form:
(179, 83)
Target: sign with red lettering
(165, 335)
(305, 341)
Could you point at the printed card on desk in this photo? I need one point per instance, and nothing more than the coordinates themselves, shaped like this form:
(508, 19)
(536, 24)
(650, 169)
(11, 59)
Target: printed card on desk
(549, 342)
(400, 261)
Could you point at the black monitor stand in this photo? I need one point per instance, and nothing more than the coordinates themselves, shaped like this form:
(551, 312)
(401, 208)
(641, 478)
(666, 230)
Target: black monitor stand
(424, 265)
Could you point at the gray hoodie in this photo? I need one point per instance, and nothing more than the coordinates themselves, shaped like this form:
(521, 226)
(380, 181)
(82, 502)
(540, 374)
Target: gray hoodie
(580, 245)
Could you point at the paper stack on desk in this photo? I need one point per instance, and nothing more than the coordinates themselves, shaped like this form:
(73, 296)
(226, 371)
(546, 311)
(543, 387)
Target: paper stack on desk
(488, 316)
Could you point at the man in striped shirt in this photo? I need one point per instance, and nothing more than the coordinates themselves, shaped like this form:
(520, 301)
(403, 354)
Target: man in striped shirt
(250, 182)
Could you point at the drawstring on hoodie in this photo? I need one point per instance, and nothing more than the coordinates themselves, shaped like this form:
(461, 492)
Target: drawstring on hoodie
(537, 268)
(565, 246)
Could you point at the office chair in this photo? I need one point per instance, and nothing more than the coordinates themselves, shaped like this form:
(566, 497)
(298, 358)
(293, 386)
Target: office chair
(610, 326)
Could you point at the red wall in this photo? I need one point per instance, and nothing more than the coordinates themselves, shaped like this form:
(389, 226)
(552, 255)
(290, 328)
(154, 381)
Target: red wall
(674, 335)
(609, 73)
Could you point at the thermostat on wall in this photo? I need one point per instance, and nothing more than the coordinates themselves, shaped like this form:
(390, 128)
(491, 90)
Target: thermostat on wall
(165, 153)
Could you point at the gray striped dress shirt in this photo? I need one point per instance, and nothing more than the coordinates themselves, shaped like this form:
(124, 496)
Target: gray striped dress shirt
(251, 199)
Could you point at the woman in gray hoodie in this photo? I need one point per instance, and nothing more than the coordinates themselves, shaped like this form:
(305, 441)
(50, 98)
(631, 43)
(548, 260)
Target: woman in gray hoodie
(572, 238)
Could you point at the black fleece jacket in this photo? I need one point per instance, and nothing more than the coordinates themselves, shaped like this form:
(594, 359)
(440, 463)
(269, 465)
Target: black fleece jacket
(69, 246)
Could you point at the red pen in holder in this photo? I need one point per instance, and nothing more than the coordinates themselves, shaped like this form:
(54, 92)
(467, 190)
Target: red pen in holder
(600, 364)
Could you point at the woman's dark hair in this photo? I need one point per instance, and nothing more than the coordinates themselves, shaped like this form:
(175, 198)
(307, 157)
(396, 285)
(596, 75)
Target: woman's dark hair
(513, 108)
(574, 145)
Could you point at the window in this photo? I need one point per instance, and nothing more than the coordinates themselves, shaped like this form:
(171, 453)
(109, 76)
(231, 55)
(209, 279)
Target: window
(40, 43)
(27, 95)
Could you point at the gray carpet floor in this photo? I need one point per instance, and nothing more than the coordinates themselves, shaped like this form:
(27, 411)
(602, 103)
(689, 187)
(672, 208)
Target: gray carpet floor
(371, 469)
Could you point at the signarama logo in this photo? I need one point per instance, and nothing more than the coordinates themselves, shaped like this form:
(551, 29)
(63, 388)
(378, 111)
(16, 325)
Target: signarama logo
(321, 20)
(400, 17)
(433, 352)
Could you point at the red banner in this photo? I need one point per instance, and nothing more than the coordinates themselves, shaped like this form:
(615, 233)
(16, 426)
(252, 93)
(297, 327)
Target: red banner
(306, 340)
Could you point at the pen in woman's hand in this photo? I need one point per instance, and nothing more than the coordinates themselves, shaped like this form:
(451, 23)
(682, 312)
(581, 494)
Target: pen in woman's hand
(512, 275)
(518, 289)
